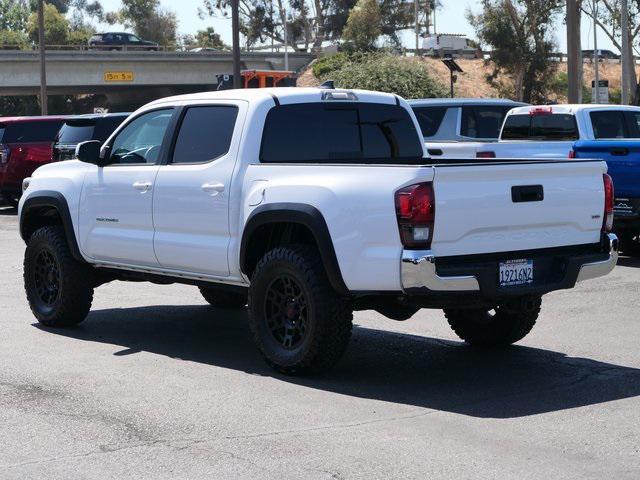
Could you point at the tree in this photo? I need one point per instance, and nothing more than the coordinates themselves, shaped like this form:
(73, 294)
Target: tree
(520, 33)
(363, 25)
(205, 38)
(607, 17)
(310, 22)
(13, 15)
(13, 20)
(386, 73)
(56, 26)
(148, 20)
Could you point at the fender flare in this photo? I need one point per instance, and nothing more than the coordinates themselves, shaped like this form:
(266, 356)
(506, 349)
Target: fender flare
(50, 198)
(301, 214)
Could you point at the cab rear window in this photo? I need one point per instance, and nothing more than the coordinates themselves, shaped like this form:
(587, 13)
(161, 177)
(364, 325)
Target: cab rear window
(346, 132)
(556, 126)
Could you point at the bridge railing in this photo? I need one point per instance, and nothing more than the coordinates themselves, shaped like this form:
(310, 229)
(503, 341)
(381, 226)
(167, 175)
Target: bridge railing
(109, 48)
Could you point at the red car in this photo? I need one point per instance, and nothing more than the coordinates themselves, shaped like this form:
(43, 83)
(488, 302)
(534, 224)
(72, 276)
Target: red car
(25, 144)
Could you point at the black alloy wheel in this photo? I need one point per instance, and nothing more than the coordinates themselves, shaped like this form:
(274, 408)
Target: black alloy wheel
(47, 282)
(285, 308)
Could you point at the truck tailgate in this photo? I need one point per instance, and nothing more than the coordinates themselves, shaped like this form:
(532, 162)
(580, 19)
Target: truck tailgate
(623, 159)
(495, 207)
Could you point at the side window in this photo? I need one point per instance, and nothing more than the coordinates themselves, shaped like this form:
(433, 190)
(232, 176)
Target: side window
(430, 119)
(205, 134)
(482, 122)
(140, 141)
(633, 124)
(608, 124)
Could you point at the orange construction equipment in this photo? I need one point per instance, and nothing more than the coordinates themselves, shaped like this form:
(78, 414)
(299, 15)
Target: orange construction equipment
(268, 78)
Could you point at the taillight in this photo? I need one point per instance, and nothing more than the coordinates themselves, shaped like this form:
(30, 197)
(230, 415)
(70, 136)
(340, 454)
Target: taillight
(572, 154)
(4, 153)
(486, 154)
(415, 209)
(607, 222)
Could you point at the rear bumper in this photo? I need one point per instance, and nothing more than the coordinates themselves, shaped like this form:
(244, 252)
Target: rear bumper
(477, 275)
(626, 215)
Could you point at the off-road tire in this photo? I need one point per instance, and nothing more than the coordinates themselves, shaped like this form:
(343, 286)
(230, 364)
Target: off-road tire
(327, 319)
(224, 298)
(69, 303)
(508, 323)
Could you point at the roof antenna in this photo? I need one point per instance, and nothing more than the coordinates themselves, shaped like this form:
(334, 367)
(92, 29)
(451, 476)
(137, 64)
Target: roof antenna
(329, 85)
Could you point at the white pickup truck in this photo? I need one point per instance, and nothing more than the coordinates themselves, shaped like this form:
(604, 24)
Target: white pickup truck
(458, 128)
(308, 204)
(551, 131)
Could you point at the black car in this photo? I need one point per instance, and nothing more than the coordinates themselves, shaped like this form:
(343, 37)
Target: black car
(83, 128)
(121, 41)
(602, 54)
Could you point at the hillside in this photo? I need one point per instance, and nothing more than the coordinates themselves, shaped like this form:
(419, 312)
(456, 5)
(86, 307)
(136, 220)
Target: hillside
(472, 83)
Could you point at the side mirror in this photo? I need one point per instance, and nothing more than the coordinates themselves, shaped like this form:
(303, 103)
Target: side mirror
(89, 152)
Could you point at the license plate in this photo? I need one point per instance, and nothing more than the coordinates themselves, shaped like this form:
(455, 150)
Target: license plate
(516, 272)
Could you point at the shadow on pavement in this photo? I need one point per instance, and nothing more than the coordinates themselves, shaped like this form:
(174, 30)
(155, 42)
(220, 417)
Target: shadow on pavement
(392, 367)
(629, 261)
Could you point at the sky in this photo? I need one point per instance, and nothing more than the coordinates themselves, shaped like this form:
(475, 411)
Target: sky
(450, 19)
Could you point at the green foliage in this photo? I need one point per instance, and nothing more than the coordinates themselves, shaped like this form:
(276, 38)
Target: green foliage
(79, 36)
(13, 15)
(364, 25)
(385, 73)
(56, 26)
(331, 63)
(14, 39)
(560, 86)
(148, 20)
(205, 38)
(521, 35)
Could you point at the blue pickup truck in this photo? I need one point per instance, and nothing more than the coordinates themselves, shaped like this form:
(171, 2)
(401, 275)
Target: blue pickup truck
(623, 158)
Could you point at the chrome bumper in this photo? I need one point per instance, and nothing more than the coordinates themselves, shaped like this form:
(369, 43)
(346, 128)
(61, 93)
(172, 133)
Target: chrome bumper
(418, 271)
(600, 269)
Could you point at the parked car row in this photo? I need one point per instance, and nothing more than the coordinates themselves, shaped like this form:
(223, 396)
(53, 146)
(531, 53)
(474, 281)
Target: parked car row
(27, 143)
(499, 129)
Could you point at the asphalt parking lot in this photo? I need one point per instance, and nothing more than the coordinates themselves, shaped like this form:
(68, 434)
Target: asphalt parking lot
(157, 384)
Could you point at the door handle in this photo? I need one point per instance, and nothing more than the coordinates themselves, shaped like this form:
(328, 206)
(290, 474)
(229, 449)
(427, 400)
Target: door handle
(619, 152)
(527, 193)
(213, 188)
(142, 186)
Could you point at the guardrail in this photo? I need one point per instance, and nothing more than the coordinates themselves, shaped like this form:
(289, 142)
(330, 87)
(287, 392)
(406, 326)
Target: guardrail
(111, 48)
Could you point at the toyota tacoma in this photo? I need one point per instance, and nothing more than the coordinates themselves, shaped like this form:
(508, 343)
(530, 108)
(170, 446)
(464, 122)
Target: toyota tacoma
(304, 205)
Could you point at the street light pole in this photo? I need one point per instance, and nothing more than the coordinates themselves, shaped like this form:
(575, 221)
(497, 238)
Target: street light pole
(43, 61)
(286, 39)
(235, 35)
(416, 14)
(574, 56)
(596, 72)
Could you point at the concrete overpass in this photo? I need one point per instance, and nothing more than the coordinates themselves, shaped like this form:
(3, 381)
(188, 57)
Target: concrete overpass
(127, 73)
